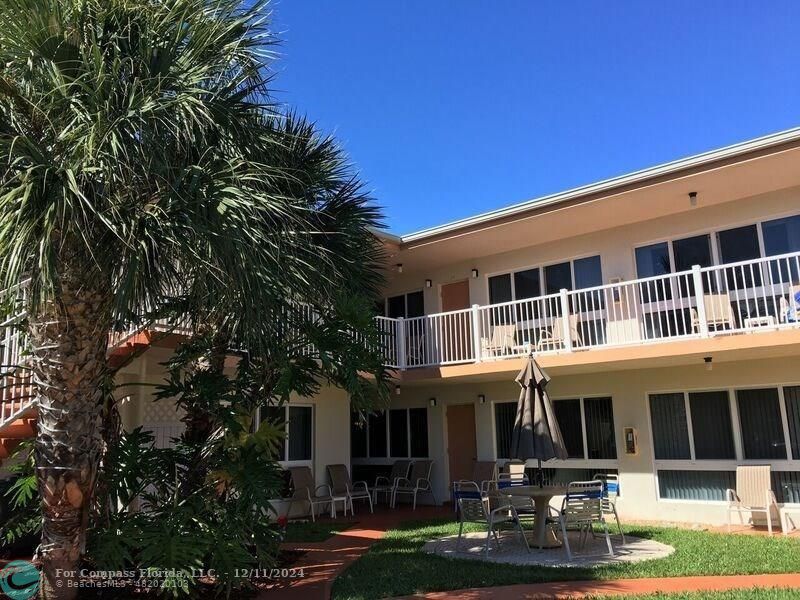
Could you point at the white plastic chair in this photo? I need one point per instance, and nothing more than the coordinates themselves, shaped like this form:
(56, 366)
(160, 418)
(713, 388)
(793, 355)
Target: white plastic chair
(753, 494)
(610, 493)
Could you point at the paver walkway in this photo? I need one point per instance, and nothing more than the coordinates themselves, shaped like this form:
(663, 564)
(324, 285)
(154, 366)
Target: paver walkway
(324, 561)
(619, 587)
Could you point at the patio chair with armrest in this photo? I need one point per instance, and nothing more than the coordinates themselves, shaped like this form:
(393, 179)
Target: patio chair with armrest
(753, 493)
(789, 311)
(418, 482)
(342, 485)
(502, 342)
(552, 338)
(385, 485)
(484, 473)
(306, 491)
(477, 510)
(719, 313)
(610, 493)
(581, 508)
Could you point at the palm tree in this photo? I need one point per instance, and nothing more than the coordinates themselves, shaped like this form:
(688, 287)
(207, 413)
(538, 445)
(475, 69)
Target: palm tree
(141, 154)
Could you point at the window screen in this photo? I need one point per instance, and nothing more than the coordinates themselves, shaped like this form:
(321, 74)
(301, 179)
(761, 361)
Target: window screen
(504, 415)
(377, 434)
(398, 433)
(418, 421)
(711, 425)
(792, 397)
(500, 289)
(670, 430)
(600, 437)
(760, 422)
(300, 432)
(568, 414)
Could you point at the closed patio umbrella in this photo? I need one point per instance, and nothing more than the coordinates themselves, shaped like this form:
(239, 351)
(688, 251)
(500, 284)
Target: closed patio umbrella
(536, 432)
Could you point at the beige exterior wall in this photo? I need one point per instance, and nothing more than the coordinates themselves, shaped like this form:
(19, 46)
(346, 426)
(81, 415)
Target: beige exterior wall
(629, 391)
(614, 245)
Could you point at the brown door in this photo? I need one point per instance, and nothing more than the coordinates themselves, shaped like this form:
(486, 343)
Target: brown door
(462, 448)
(454, 333)
(455, 296)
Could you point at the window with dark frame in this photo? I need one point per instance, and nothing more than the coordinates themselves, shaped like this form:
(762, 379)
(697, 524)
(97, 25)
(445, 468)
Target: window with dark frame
(406, 306)
(403, 430)
(298, 422)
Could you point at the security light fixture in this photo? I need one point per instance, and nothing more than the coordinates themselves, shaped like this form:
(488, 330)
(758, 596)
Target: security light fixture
(709, 364)
(399, 267)
(432, 402)
(474, 273)
(693, 198)
(428, 283)
(481, 399)
(397, 390)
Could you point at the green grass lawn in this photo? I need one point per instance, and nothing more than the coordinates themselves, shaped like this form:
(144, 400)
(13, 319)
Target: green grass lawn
(396, 565)
(307, 531)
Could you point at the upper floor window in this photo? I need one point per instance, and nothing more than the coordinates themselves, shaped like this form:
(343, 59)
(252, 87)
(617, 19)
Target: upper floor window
(411, 304)
(530, 283)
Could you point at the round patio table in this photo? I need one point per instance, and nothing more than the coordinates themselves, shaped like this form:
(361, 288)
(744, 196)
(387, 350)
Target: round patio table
(543, 536)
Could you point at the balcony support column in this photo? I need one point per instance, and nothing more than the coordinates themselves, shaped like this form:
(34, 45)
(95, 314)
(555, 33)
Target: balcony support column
(565, 320)
(702, 318)
(475, 316)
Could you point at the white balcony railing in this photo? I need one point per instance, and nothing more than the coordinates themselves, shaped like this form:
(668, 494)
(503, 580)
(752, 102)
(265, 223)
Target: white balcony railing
(744, 297)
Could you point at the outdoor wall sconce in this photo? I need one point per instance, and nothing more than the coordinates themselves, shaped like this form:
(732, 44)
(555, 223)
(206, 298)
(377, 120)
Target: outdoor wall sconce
(709, 364)
(474, 273)
(428, 283)
(481, 399)
(399, 267)
(397, 390)
(692, 198)
(432, 402)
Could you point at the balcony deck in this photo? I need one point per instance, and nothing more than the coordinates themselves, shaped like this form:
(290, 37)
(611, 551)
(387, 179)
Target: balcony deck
(726, 307)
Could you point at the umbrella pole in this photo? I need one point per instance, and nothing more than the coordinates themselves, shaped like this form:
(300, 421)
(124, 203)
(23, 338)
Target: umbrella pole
(541, 474)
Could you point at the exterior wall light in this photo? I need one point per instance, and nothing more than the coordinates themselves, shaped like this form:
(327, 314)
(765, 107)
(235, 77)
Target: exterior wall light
(428, 283)
(474, 273)
(709, 364)
(481, 399)
(399, 267)
(692, 198)
(432, 402)
(397, 390)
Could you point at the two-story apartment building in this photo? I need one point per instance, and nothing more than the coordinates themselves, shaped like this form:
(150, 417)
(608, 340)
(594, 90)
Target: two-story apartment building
(664, 304)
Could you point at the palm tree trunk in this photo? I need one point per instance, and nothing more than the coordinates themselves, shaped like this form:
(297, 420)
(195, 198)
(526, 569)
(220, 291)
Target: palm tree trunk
(69, 338)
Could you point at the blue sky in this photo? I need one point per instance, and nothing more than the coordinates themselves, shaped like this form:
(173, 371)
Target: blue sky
(450, 108)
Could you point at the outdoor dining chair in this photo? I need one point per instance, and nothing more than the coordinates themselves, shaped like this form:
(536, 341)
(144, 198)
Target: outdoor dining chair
(552, 338)
(484, 474)
(789, 311)
(304, 491)
(476, 510)
(385, 485)
(610, 493)
(342, 486)
(502, 341)
(753, 494)
(719, 313)
(581, 508)
(418, 482)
